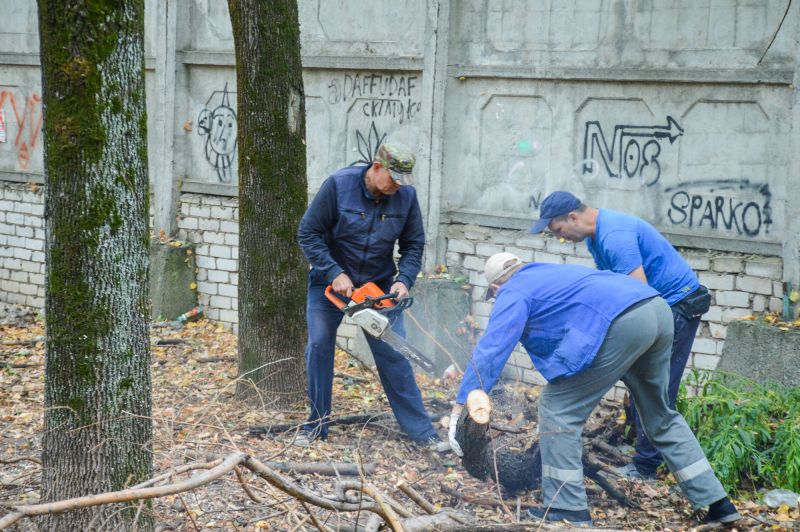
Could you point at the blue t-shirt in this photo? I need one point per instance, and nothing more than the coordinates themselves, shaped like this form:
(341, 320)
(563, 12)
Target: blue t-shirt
(623, 242)
(560, 313)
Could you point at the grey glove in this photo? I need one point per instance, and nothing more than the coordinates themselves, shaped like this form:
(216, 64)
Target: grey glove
(451, 436)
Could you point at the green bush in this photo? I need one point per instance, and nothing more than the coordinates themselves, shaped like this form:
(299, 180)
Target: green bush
(749, 431)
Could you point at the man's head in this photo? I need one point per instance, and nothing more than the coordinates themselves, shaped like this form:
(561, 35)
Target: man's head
(498, 269)
(565, 216)
(392, 167)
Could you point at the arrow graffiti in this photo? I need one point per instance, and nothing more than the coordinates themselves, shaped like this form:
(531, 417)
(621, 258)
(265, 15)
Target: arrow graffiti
(634, 150)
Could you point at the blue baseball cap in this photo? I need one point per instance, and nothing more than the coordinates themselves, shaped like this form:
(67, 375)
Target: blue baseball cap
(554, 205)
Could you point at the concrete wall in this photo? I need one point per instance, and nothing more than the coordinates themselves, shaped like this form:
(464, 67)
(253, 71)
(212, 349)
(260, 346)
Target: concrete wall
(684, 113)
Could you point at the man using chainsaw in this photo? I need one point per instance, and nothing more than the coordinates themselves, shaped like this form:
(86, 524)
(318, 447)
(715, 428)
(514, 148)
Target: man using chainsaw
(628, 245)
(348, 235)
(584, 330)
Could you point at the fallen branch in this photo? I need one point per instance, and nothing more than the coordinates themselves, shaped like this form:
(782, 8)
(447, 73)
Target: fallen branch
(330, 469)
(33, 341)
(6, 461)
(355, 419)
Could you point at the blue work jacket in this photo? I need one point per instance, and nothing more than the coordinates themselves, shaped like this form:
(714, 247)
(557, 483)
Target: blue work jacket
(560, 313)
(347, 230)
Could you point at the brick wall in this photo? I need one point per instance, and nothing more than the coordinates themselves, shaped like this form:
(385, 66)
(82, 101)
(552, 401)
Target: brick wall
(21, 244)
(739, 284)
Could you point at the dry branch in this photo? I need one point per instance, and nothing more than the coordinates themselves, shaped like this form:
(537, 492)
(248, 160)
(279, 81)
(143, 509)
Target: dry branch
(331, 469)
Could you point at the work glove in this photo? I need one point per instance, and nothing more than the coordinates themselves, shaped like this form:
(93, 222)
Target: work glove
(451, 435)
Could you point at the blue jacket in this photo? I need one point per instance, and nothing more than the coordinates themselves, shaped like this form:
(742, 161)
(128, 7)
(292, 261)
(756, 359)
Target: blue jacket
(560, 313)
(347, 230)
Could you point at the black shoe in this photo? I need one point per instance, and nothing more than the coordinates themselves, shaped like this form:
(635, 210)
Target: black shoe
(555, 515)
(722, 511)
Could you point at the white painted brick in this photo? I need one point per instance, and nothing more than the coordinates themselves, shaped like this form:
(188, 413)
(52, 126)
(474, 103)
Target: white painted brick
(580, 261)
(3, 240)
(230, 316)
(232, 239)
(35, 302)
(4, 273)
(229, 227)
(728, 315)
(475, 279)
(777, 288)
(24, 231)
(541, 256)
(6, 251)
(759, 303)
(189, 223)
(223, 213)
(715, 281)
(20, 277)
(705, 345)
(554, 245)
(727, 264)
(471, 262)
(221, 252)
(200, 212)
(13, 194)
(482, 322)
(775, 304)
(460, 246)
(212, 313)
(228, 290)
(9, 286)
(185, 208)
(452, 260)
(481, 308)
(772, 269)
(530, 241)
(217, 276)
(38, 256)
(36, 278)
(7, 229)
(726, 298)
(195, 237)
(235, 279)
(234, 302)
(210, 201)
(34, 221)
(718, 330)
(34, 244)
(703, 361)
(28, 289)
(16, 299)
(697, 261)
(758, 285)
(207, 288)
(235, 253)
(212, 237)
(487, 250)
(16, 241)
(22, 253)
(38, 234)
(208, 224)
(37, 209)
(206, 262)
(6, 205)
(15, 218)
(13, 264)
(525, 255)
(202, 300)
(227, 265)
(479, 293)
(23, 207)
(230, 202)
(201, 274)
(220, 302)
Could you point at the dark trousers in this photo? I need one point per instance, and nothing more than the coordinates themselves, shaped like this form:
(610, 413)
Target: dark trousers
(647, 458)
(394, 370)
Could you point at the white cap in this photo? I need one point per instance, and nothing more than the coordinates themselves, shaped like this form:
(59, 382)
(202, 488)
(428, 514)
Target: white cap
(496, 267)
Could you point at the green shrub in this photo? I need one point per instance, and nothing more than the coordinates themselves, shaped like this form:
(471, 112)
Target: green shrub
(750, 432)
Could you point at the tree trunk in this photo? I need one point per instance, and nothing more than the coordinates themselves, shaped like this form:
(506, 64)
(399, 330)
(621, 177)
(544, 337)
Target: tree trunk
(97, 431)
(272, 199)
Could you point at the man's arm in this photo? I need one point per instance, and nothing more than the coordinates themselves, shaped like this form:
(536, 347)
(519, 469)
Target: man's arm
(411, 245)
(319, 218)
(622, 251)
(506, 325)
(638, 273)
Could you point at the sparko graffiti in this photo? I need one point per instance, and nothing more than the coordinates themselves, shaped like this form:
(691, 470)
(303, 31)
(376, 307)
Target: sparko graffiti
(384, 95)
(218, 125)
(705, 205)
(634, 150)
(27, 117)
(367, 145)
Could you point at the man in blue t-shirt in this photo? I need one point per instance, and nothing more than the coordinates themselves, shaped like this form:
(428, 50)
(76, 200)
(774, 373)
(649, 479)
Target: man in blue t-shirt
(628, 245)
(585, 330)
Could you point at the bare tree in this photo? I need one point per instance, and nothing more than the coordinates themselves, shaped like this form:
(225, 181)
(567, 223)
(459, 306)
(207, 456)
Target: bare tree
(97, 375)
(272, 198)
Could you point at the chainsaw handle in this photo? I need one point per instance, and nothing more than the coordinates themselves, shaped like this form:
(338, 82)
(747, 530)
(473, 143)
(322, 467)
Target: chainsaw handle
(334, 298)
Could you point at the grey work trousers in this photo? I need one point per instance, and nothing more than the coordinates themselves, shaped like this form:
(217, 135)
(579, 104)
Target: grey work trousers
(636, 350)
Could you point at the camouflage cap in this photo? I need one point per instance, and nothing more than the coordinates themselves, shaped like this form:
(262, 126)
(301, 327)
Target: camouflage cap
(398, 159)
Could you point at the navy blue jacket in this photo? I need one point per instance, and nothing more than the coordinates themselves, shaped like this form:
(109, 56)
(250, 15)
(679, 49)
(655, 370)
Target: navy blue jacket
(347, 230)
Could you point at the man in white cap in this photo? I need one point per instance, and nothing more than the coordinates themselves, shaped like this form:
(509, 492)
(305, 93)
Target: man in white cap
(584, 330)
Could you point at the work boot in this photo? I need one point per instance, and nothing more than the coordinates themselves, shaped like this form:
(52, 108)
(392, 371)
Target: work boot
(434, 443)
(305, 438)
(722, 511)
(557, 515)
(631, 472)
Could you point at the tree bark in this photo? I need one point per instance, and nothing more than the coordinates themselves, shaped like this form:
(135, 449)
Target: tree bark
(272, 198)
(97, 366)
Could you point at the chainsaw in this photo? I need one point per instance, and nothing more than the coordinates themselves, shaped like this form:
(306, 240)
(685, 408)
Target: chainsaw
(369, 307)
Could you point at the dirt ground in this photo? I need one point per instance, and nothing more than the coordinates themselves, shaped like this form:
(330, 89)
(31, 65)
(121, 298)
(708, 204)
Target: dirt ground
(196, 419)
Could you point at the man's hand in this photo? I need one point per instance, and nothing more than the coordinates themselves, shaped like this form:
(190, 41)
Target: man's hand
(400, 288)
(342, 285)
(451, 434)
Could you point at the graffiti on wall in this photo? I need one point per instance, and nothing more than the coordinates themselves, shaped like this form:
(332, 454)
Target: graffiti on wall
(368, 144)
(217, 123)
(634, 150)
(26, 114)
(710, 204)
(377, 95)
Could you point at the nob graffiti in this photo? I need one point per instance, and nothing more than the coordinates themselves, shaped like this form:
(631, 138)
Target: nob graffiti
(634, 150)
(218, 126)
(704, 205)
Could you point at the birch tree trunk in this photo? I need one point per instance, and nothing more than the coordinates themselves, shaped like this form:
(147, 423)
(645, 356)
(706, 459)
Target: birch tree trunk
(272, 199)
(97, 374)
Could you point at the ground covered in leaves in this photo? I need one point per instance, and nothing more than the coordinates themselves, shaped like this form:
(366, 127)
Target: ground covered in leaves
(196, 419)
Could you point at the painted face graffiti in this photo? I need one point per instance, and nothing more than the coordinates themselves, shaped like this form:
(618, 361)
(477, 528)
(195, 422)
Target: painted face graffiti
(218, 125)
